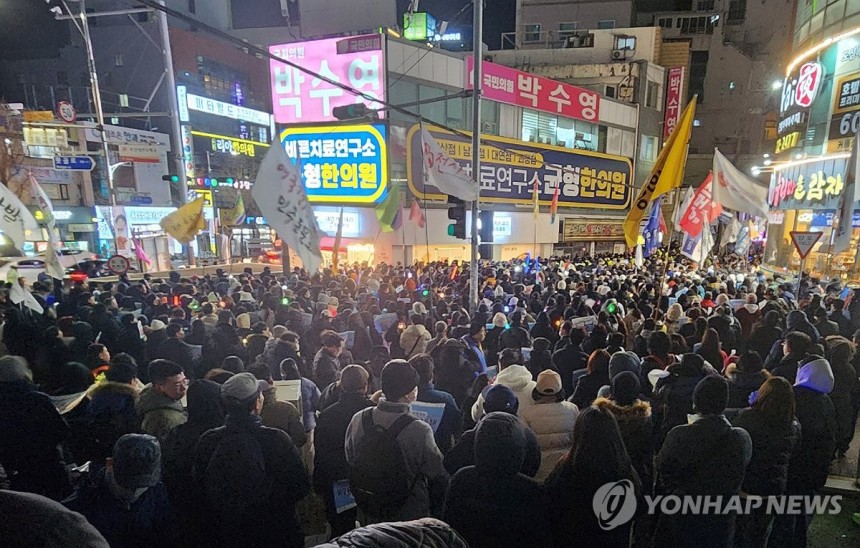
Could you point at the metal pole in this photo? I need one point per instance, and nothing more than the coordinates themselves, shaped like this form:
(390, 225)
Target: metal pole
(97, 98)
(478, 9)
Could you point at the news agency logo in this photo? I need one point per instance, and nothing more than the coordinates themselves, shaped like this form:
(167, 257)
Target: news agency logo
(614, 504)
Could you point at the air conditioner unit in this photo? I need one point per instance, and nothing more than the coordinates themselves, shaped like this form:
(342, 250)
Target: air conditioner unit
(618, 54)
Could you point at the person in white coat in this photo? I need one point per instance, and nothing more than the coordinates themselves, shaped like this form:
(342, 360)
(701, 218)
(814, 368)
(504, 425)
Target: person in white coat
(552, 419)
(515, 376)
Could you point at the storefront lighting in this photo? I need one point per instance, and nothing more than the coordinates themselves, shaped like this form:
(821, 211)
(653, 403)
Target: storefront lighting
(786, 165)
(765, 155)
(817, 48)
(798, 156)
(767, 162)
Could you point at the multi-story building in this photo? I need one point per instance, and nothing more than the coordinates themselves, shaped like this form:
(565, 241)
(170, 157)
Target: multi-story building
(545, 24)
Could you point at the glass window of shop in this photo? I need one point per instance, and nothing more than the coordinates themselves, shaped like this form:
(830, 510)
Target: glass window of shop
(541, 127)
(452, 112)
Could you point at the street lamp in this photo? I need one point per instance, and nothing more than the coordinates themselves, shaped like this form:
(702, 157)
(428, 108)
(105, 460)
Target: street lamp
(776, 85)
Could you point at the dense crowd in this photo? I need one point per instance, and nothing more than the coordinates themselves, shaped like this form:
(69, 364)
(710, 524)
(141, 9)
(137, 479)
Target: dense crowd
(195, 411)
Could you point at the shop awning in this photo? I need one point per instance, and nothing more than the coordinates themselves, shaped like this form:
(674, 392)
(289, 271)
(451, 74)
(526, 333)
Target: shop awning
(327, 243)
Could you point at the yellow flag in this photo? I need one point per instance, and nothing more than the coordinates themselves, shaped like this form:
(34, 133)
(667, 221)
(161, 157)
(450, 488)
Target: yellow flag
(184, 223)
(667, 174)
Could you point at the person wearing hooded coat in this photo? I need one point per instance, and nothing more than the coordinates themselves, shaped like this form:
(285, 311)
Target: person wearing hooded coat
(205, 412)
(540, 358)
(513, 375)
(491, 503)
(840, 354)
(634, 422)
(797, 321)
(515, 336)
(745, 377)
(810, 464)
(708, 458)
(673, 394)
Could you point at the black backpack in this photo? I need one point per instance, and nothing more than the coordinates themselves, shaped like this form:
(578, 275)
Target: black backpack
(380, 480)
(235, 478)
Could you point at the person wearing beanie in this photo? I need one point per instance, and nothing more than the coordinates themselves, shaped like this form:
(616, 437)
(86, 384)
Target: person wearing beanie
(515, 376)
(706, 457)
(551, 419)
(745, 377)
(634, 421)
(474, 341)
(515, 336)
(440, 336)
(491, 342)
(498, 398)
(421, 456)
(245, 501)
(540, 358)
(124, 498)
(513, 506)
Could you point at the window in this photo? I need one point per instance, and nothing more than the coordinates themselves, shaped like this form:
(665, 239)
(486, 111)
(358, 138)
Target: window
(532, 33)
(625, 42)
(698, 71)
(737, 11)
(665, 22)
(705, 5)
(566, 29)
(649, 148)
(609, 91)
(117, 59)
(580, 40)
(652, 95)
(192, 6)
(606, 24)
(539, 127)
(697, 25)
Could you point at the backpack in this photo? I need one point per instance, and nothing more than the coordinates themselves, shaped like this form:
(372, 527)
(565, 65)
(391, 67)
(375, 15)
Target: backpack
(380, 479)
(235, 479)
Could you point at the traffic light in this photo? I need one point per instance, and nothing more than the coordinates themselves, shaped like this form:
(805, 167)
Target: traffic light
(352, 112)
(172, 179)
(485, 218)
(457, 213)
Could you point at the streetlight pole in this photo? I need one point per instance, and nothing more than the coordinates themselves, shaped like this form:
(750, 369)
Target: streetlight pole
(478, 9)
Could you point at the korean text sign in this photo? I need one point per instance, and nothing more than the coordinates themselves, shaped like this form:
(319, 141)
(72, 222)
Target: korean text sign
(816, 185)
(340, 164)
(514, 87)
(674, 92)
(509, 169)
(301, 98)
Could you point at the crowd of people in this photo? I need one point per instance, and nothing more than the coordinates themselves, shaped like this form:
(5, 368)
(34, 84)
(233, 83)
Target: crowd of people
(206, 410)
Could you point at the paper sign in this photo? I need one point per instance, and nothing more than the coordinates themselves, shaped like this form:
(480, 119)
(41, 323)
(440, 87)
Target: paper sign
(736, 304)
(307, 319)
(526, 352)
(348, 339)
(383, 322)
(804, 241)
(343, 499)
(431, 413)
(587, 323)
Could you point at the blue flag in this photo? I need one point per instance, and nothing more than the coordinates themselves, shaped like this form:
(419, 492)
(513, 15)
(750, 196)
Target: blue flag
(652, 229)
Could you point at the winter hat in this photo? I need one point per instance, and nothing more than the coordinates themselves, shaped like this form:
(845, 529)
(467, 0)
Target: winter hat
(541, 344)
(136, 461)
(722, 299)
(624, 361)
(816, 375)
(548, 384)
(212, 297)
(795, 318)
(242, 387)
(278, 331)
(475, 328)
(500, 445)
(243, 321)
(419, 308)
(498, 397)
(675, 312)
(500, 320)
(711, 395)
(625, 388)
(398, 379)
(245, 297)
(157, 325)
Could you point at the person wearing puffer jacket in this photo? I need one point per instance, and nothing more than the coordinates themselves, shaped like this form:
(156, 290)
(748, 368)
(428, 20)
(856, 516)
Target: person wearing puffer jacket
(414, 338)
(552, 420)
(427, 532)
(748, 315)
(513, 375)
(745, 377)
(810, 464)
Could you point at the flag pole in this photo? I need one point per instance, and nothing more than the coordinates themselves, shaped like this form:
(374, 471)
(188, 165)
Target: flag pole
(477, 61)
(666, 261)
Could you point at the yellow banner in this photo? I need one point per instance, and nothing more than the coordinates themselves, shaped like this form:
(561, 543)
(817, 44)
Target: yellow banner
(184, 223)
(667, 174)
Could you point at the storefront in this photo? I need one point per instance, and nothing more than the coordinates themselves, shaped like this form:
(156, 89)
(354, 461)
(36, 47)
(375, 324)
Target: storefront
(76, 226)
(591, 236)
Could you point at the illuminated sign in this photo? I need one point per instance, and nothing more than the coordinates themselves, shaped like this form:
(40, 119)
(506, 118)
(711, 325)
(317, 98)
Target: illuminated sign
(814, 185)
(674, 94)
(801, 90)
(298, 97)
(342, 164)
(787, 142)
(182, 99)
(448, 37)
(229, 182)
(502, 225)
(187, 150)
(227, 110)
(510, 167)
(418, 26)
(231, 145)
(328, 220)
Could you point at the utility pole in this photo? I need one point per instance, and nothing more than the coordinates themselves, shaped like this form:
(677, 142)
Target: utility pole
(478, 9)
(97, 96)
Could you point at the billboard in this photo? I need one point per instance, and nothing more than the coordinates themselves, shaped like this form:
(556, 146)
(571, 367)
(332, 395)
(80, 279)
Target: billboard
(674, 96)
(299, 98)
(509, 169)
(812, 185)
(340, 164)
(515, 87)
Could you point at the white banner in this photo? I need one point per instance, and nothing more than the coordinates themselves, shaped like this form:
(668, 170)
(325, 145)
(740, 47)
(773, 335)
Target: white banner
(842, 239)
(444, 173)
(736, 191)
(682, 208)
(16, 219)
(52, 263)
(282, 199)
(19, 294)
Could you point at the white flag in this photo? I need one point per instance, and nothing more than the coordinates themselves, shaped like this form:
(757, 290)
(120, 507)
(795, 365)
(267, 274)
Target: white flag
(733, 228)
(444, 173)
(638, 259)
(682, 208)
(281, 196)
(18, 295)
(845, 228)
(52, 262)
(697, 248)
(16, 219)
(736, 191)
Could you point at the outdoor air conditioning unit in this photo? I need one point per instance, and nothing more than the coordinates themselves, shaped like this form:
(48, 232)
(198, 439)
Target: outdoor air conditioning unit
(618, 55)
